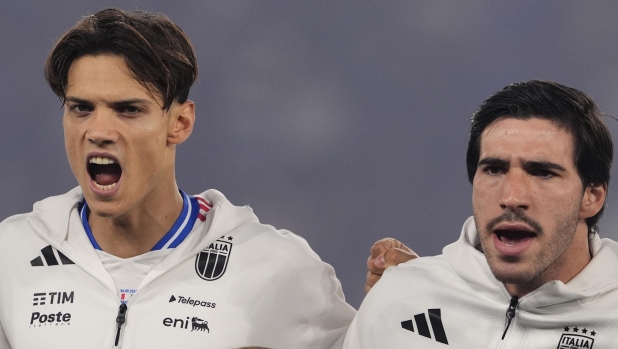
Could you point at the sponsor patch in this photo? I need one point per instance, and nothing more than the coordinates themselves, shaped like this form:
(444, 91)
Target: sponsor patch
(192, 302)
(42, 298)
(197, 324)
(59, 318)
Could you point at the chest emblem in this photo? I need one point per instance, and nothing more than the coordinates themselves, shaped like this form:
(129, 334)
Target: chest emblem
(211, 263)
(576, 338)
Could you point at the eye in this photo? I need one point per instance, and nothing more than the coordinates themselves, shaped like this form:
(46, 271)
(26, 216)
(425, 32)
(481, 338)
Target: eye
(81, 108)
(546, 174)
(129, 110)
(494, 170)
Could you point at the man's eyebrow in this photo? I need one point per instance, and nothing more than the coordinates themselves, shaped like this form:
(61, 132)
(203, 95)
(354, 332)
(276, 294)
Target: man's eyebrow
(77, 100)
(491, 161)
(543, 165)
(120, 103)
(125, 102)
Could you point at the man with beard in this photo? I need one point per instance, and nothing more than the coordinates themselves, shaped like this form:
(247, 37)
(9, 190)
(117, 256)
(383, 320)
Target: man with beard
(529, 269)
(127, 259)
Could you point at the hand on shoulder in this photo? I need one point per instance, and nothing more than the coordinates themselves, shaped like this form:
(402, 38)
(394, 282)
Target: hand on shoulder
(385, 253)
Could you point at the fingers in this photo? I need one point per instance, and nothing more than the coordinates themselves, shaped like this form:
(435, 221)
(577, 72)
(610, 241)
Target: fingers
(371, 280)
(382, 245)
(386, 253)
(383, 254)
(397, 255)
(376, 262)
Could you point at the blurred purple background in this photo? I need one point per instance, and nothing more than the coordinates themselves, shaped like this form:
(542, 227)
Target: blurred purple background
(343, 122)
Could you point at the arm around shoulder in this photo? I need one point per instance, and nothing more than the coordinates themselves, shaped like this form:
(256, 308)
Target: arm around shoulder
(371, 326)
(320, 294)
(4, 343)
(301, 294)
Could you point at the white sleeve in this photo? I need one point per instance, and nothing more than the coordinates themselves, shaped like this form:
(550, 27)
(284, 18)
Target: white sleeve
(4, 343)
(369, 329)
(338, 314)
(315, 307)
(299, 295)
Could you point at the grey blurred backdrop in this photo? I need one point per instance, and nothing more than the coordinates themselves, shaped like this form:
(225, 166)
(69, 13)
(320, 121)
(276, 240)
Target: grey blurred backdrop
(342, 121)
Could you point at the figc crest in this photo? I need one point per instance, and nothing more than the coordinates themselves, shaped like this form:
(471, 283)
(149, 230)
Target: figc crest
(210, 264)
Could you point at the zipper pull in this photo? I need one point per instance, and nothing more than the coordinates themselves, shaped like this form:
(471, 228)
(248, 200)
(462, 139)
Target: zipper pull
(120, 319)
(510, 314)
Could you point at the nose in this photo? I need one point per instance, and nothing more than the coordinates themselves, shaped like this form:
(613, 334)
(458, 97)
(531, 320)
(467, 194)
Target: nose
(515, 191)
(101, 129)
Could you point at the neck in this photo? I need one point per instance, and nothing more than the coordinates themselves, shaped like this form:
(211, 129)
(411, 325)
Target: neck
(570, 263)
(138, 230)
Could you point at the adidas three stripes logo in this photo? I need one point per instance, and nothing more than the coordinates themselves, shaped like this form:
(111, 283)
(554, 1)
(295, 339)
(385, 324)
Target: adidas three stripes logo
(422, 327)
(51, 257)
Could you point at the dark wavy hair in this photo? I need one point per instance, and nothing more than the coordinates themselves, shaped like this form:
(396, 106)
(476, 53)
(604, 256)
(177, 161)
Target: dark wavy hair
(566, 107)
(157, 52)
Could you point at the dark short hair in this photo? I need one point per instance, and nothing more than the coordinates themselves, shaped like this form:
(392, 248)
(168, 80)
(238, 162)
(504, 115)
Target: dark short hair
(157, 52)
(569, 109)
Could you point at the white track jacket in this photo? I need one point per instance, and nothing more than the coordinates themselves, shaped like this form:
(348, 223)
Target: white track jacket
(454, 301)
(235, 283)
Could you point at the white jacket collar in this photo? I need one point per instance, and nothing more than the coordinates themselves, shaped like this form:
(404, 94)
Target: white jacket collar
(50, 217)
(599, 276)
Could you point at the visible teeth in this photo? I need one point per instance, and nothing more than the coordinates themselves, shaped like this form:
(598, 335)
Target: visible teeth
(101, 160)
(105, 187)
(513, 239)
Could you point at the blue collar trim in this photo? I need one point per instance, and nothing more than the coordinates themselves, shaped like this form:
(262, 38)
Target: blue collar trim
(177, 234)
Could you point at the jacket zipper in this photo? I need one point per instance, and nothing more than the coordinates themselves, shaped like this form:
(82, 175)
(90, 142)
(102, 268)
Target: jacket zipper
(510, 314)
(120, 320)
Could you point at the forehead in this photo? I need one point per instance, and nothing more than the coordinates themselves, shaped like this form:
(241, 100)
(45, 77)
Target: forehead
(104, 77)
(532, 139)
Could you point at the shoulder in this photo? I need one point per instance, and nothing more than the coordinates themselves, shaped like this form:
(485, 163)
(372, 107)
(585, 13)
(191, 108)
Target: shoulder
(19, 244)
(13, 228)
(421, 278)
(248, 232)
(435, 267)
(49, 216)
(280, 245)
(13, 223)
(405, 291)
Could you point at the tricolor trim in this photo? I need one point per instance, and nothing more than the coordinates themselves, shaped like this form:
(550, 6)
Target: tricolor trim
(205, 206)
(193, 207)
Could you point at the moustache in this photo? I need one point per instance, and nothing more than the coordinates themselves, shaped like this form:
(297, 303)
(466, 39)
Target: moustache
(515, 216)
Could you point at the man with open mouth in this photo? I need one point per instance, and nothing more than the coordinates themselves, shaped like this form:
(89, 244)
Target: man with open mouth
(529, 269)
(127, 259)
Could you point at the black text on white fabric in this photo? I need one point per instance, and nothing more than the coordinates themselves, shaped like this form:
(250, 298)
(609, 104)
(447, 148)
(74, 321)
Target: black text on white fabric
(577, 338)
(197, 324)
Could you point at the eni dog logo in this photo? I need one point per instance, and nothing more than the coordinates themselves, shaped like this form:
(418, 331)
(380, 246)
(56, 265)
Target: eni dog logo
(210, 264)
(199, 325)
(575, 340)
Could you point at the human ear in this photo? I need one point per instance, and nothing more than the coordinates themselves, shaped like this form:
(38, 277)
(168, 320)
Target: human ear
(592, 201)
(182, 118)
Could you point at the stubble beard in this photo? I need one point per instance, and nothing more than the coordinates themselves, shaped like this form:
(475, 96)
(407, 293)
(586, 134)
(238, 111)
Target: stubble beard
(542, 267)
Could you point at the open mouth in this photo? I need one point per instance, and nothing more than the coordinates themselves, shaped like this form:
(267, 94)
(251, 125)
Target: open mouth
(514, 237)
(105, 172)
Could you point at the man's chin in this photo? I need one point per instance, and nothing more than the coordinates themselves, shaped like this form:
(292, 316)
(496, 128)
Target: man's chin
(512, 275)
(513, 279)
(104, 208)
